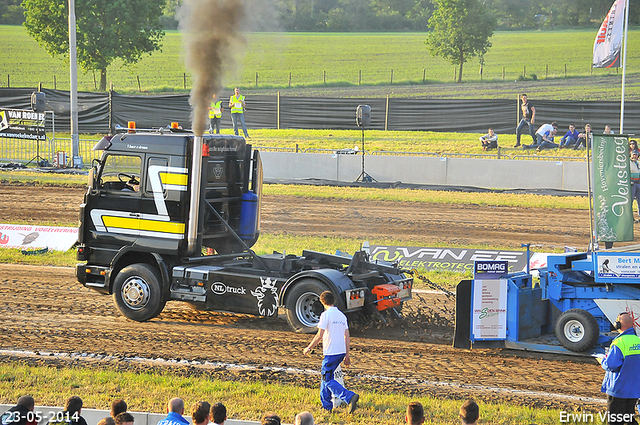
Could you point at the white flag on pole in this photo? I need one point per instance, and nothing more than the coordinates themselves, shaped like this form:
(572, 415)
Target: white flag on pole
(608, 44)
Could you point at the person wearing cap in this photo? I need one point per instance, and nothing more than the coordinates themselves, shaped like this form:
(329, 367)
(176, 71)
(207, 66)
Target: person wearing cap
(634, 170)
(622, 366)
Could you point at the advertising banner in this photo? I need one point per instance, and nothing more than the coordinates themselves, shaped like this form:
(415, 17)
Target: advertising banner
(489, 314)
(490, 269)
(608, 43)
(446, 259)
(29, 237)
(22, 124)
(613, 266)
(612, 196)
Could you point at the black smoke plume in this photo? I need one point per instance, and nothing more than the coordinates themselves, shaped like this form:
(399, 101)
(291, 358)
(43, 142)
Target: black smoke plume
(212, 37)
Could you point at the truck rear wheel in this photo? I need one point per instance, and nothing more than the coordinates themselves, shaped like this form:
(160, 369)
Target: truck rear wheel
(577, 330)
(137, 292)
(303, 306)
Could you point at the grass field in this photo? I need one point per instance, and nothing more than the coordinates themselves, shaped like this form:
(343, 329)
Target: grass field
(148, 392)
(316, 59)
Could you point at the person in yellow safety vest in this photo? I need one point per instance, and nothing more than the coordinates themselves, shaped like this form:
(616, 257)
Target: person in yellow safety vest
(215, 115)
(237, 105)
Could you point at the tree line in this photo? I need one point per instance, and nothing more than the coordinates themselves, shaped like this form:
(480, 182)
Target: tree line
(397, 15)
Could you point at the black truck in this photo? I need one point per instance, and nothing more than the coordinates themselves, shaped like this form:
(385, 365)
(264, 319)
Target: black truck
(173, 216)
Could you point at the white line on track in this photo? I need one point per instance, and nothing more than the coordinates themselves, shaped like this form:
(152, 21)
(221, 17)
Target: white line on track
(209, 365)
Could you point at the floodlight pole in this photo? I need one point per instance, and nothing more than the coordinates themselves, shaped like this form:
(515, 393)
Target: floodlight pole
(73, 89)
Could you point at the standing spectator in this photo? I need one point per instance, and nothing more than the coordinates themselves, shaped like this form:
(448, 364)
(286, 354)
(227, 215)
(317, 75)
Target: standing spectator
(634, 170)
(218, 413)
(570, 138)
(544, 137)
(200, 413)
(215, 114)
(584, 138)
(489, 140)
(528, 119)
(304, 418)
(17, 415)
(124, 418)
(607, 129)
(469, 412)
(118, 406)
(633, 146)
(333, 330)
(175, 410)
(270, 418)
(622, 366)
(415, 413)
(237, 105)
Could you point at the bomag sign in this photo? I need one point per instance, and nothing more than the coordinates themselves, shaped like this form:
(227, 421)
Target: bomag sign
(22, 124)
(446, 259)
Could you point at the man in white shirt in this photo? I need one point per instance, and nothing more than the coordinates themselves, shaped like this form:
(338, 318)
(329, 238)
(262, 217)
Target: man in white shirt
(333, 330)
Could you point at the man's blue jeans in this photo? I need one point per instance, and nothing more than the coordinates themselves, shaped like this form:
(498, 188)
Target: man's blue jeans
(523, 123)
(234, 118)
(329, 385)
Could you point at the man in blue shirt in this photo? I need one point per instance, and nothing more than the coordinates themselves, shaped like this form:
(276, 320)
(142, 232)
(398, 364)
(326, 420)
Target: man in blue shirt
(570, 137)
(622, 366)
(175, 410)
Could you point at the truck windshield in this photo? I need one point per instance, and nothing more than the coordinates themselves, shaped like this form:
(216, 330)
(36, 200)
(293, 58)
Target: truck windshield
(120, 172)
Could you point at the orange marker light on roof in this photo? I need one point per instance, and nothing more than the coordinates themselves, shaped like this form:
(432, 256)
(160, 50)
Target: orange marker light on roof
(132, 126)
(175, 125)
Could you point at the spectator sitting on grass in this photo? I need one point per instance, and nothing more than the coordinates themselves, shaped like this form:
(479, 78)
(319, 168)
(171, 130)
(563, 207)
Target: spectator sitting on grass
(123, 418)
(200, 413)
(570, 138)
(489, 140)
(469, 412)
(584, 138)
(415, 413)
(218, 413)
(545, 135)
(117, 407)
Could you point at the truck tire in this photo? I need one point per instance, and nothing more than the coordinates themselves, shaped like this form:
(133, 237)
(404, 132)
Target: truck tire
(303, 306)
(137, 292)
(577, 330)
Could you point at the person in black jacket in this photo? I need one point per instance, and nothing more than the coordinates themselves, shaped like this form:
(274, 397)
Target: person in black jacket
(19, 414)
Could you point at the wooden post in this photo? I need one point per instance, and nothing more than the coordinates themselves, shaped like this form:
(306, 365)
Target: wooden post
(256, 79)
(324, 77)
(546, 71)
(591, 69)
(139, 86)
(392, 76)
(524, 71)
(424, 75)
(95, 84)
(289, 79)
(359, 77)
(184, 80)
(55, 84)
(565, 70)
(39, 87)
(278, 112)
(8, 80)
(503, 72)
(386, 115)
(480, 72)
(111, 86)
(455, 74)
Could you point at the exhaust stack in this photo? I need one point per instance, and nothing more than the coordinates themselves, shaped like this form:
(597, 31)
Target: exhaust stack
(194, 202)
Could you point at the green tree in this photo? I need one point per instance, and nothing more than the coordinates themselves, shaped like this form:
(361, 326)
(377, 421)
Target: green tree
(460, 29)
(105, 30)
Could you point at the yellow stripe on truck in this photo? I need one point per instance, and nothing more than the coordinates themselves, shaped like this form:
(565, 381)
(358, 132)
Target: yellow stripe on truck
(141, 224)
(174, 179)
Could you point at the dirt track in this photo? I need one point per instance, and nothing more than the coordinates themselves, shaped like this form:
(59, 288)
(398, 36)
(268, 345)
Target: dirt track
(45, 309)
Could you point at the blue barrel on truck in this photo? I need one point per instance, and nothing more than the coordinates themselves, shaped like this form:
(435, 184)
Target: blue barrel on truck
(248, 215)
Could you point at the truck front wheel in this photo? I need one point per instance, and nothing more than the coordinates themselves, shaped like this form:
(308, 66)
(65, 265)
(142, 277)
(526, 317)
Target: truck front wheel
(137, 292)
(577, 330)
(303, 306)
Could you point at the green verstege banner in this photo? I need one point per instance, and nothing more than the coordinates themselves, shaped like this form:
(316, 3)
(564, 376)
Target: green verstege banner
(612, 198)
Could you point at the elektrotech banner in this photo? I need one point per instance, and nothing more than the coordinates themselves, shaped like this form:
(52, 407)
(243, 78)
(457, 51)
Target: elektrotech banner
(612, 198)
(608, 43)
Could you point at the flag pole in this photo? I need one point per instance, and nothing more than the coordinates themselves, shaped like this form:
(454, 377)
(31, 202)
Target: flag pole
(624, 63)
